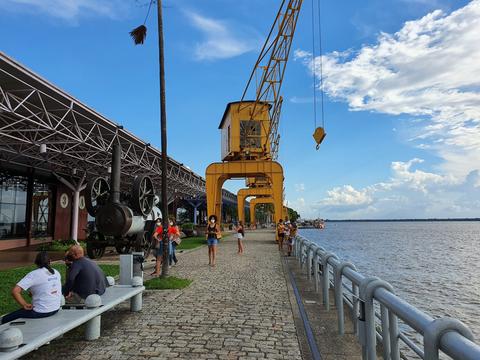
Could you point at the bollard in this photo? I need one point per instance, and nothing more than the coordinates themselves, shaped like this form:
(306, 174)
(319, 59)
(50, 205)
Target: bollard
(326, 278)
(92, 329)
(136, 302)
(338, 285)
(436, 329)
(10, 339)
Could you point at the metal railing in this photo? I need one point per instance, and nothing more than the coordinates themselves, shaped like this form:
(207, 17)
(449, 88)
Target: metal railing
(364, 295)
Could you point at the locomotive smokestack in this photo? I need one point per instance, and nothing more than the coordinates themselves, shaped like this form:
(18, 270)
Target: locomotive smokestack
(115, 175)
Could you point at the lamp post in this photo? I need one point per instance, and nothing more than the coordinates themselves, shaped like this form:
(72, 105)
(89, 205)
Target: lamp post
(139, 35)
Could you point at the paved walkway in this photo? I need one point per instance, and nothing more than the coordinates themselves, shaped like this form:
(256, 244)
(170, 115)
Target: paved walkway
(239, 309)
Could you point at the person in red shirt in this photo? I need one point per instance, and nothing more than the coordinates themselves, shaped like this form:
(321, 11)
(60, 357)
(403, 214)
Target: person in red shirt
(157, 236)
(174, 239)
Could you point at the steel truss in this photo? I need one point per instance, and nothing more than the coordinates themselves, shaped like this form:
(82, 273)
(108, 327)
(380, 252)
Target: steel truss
(78, 140)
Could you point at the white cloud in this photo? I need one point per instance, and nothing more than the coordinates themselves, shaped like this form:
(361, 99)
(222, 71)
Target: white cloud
(69, 10)
(346, 196)
(299, 187)
(222, 39)
(409, 193)
(429, 69)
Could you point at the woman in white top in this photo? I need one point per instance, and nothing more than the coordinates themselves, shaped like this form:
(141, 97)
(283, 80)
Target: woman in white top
(240, 236)
(45, 286)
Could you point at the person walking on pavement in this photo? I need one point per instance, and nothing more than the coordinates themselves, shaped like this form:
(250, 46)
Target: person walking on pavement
(212, 235)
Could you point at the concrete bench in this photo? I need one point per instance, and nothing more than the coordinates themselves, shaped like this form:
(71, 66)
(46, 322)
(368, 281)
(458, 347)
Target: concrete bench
(38, 332)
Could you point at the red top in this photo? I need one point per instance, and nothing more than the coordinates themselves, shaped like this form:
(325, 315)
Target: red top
(172, 230)
(159, 229)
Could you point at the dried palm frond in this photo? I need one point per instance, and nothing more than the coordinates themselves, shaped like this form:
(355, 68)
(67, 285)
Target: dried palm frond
(139, 34)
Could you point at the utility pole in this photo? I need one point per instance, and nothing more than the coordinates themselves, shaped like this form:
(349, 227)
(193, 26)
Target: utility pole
(163, 127)
(138, 34)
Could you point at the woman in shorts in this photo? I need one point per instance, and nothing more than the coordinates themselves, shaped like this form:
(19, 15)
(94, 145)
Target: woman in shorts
(212, 235)
(240, 237)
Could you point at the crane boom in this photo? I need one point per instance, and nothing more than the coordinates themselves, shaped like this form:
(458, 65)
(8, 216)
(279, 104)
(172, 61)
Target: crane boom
(271, 65)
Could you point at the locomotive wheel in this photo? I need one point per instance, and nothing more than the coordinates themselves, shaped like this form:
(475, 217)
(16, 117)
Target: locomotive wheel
(97, 194)
(122, 245)
(145, 244)
(143, 195)
(95, 252)
(95, 245)
(122, 248)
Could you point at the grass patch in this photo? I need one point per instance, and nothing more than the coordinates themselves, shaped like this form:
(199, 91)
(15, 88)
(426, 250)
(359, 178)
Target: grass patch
(60, 245)
(170, 282)
(192, 243)
(12, 276)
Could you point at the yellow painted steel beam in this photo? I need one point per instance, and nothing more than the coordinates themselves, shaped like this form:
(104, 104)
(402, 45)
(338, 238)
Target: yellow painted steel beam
(243, 194)
(261, 200)
(217, 173)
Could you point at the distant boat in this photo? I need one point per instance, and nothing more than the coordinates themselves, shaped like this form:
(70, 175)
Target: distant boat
(319, 224)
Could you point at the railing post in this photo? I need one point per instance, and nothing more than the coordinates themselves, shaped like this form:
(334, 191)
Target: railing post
(326, 278)
(355, 308)
(316, 256)
(338, 284)
(309, 261)
(385, 332)
(436, 329)
(367, 291)
(394, 349)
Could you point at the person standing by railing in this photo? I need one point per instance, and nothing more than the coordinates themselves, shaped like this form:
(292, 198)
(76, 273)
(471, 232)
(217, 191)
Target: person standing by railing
(291, 238)
(281, 234)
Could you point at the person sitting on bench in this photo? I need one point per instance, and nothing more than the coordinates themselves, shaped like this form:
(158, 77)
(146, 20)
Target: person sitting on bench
(45, 287)
(84, 277)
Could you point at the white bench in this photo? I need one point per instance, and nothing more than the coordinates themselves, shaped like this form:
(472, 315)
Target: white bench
(38, 332)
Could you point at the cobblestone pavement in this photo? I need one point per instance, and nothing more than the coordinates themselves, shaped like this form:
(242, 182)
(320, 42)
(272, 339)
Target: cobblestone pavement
(240, 309)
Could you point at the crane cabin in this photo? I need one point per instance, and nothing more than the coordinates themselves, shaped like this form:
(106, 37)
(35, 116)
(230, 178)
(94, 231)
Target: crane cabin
(254, 182)
(245, 129)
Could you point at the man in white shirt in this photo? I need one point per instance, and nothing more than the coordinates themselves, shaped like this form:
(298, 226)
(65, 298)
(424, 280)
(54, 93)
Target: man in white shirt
(45, 286)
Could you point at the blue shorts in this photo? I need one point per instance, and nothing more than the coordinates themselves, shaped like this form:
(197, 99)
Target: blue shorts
(159, 251)
(212, 241)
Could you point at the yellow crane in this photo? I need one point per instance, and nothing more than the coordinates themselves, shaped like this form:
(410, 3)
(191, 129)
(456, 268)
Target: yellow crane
(249, 128)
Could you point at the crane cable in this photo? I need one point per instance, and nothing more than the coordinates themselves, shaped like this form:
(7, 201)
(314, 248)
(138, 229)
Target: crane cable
(321, 61)
(314, 68)
(319, 132)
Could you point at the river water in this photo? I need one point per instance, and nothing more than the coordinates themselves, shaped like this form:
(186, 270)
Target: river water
(435, 266)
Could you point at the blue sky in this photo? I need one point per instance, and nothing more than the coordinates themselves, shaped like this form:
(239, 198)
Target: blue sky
(402, 91)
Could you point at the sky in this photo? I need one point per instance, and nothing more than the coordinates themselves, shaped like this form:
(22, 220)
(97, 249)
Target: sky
(401, 86)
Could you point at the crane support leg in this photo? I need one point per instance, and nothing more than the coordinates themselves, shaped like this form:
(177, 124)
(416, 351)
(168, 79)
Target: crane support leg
(217, 173)
(247, 192)
(260, 200)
